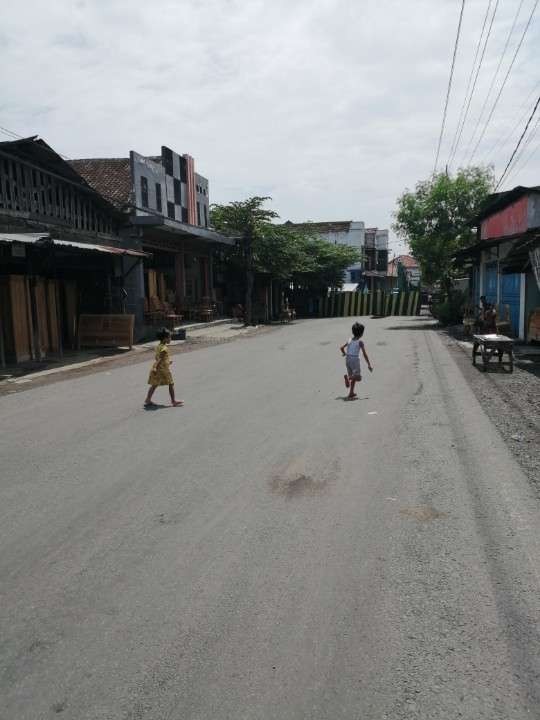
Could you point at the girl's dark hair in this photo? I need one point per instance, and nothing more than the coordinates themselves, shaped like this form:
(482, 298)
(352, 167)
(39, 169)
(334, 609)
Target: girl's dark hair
(358, 330)
(162, 334)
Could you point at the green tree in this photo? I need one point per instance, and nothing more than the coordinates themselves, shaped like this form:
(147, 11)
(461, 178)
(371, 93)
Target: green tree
(435, 219)
(283, 253)
(247, 221)
(325, 263)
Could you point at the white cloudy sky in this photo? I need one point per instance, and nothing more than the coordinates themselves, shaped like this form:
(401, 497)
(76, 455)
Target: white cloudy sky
(332, 107)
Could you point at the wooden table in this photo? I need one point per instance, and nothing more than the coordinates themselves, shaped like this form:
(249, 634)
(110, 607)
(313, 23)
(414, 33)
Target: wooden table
(489, 345)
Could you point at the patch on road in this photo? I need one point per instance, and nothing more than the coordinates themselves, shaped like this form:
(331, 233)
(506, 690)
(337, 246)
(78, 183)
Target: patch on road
(168, 519)
(297, 486)
(38, 645)
(424, 513)
(304, 472)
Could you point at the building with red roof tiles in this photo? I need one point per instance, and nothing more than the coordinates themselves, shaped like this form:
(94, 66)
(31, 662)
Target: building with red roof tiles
(166, 205)
(403, 272)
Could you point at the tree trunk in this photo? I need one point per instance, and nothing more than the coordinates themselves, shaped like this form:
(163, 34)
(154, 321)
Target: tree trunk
(447, 284)
(250, 279)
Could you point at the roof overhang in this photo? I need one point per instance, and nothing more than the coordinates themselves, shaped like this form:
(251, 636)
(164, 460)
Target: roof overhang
(183, 230)
(44, 240)
(476, 249)
(375, 273)
(518, 259)
(35, 153)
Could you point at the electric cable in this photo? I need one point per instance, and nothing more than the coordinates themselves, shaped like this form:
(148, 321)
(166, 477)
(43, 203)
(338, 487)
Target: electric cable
(505, 80)
(16, 136)
(519, 155)
(500, 143)
(463, 116)
(518, 143)
(495, 75)
(458, 33)
(9, 133)
(526, 161)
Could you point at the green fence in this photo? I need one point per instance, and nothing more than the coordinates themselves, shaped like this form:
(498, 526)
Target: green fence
(349, 304)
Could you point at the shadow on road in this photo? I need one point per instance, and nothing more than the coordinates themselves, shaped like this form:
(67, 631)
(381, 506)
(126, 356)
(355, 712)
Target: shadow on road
(421, 325)
(155, 406)
(492, 368)
(528, 366)
(495, 368)
(346, 398)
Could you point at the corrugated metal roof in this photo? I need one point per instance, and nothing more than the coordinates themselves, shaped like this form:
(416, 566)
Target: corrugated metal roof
(498, 201)
(33, 238)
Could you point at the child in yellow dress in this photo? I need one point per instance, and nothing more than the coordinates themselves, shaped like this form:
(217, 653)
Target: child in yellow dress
(160, 373)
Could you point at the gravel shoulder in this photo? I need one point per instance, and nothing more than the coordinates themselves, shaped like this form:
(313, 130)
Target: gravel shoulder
(511, 401)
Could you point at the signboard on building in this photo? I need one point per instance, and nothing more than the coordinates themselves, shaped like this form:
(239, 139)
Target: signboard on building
(535, 262)
(413, 276)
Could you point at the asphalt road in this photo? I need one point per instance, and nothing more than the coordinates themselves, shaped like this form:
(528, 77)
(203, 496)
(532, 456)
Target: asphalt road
(269, 550)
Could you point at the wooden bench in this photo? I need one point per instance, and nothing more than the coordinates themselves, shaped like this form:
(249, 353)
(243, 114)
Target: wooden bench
(106, 331)
(161, 311)
(489, 345)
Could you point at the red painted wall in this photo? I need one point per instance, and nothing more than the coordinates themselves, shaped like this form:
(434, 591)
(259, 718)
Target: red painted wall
(510, 221)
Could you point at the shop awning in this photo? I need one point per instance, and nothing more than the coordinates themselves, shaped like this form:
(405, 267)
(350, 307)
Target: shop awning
(476, 249)
(179, 230)
(518, 259)
(44, 240)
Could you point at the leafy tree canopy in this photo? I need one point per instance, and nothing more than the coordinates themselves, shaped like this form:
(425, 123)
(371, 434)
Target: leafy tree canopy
(283, 252)
(247, 219)
(435, 219)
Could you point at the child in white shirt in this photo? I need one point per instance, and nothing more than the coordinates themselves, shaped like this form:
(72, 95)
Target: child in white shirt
(351, 351)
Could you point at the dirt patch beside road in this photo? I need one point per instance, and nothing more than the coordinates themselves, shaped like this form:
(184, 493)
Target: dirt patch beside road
(512, 402)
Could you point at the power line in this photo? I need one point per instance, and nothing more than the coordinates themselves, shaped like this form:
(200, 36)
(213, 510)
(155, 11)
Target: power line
(463, 117)
(10, 133)
(495, 75)
(530, 137)
(449, 86)
(16, 136)
(505, 79)
(518, 143)
(525, 108)
(525, 162)
(526, 143)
